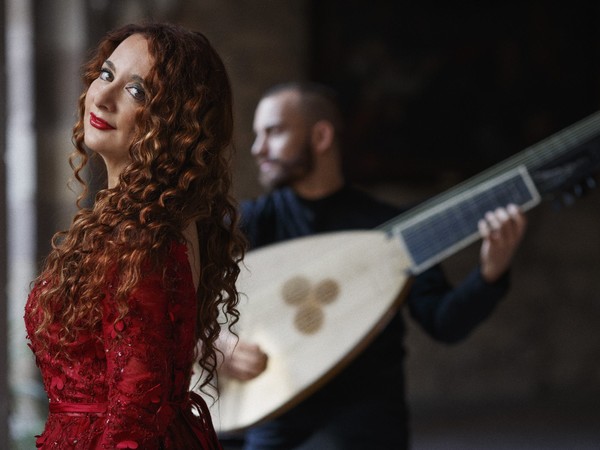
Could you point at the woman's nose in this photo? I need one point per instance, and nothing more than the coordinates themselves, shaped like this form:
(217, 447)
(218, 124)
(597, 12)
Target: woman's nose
(104, 97)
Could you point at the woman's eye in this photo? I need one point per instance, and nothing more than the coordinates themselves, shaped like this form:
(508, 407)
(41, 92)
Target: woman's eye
(137, 92)
(105, 74)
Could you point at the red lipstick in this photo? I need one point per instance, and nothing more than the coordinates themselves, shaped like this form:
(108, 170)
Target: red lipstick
(97, 122)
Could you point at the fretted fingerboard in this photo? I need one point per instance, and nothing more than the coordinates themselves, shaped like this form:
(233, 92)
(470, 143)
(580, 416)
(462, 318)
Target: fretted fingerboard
(448, 222)
(438, 232)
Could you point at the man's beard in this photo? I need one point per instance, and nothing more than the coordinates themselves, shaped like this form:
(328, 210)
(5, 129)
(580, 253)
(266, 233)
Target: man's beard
(287, 172)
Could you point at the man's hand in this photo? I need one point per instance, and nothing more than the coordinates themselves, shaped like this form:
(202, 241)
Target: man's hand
(241, 360)
(502, 231)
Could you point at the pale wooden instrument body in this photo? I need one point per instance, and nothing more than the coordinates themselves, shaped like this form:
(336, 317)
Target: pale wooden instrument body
(369, 270)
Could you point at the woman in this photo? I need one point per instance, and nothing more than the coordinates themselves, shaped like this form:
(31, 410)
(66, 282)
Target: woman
(140, 279)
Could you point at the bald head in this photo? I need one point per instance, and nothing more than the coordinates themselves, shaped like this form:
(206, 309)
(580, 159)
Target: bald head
(315, 102)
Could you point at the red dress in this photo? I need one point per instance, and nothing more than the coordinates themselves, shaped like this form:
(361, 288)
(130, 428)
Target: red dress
(126, 385)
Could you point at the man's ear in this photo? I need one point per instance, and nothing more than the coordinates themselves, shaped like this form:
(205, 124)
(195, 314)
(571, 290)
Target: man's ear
(322, 136)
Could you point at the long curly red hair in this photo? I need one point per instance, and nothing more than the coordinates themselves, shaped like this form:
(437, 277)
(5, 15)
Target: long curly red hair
(179, 172)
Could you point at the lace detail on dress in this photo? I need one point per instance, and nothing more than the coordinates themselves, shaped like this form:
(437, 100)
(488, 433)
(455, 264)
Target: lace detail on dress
(125, 385)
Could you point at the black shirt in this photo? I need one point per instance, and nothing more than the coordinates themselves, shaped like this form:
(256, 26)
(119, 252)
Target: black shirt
(446, 313)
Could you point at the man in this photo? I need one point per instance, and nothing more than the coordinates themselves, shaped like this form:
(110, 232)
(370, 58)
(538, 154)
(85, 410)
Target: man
(297, 148)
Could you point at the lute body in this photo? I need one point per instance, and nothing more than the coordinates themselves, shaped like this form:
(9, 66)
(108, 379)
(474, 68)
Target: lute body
(338, 291)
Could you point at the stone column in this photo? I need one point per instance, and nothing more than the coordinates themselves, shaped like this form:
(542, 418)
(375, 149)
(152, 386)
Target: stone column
(60, 45)
(20, 218)
(4, 396)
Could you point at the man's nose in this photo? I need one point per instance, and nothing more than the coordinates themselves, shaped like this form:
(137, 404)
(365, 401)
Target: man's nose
(259, 146)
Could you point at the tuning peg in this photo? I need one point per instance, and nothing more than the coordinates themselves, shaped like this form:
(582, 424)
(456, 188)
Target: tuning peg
(568, 199)
(578, 190)
(590, 182)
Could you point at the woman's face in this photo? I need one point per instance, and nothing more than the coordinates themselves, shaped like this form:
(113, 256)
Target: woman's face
(112, 101)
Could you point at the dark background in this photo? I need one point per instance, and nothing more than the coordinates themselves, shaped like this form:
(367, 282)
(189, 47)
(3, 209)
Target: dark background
(429, 87)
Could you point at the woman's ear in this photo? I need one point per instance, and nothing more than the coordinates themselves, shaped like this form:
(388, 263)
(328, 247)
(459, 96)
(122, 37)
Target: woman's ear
(322, 136)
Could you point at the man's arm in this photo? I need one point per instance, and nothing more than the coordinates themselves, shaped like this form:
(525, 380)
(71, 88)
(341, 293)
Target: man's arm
(450, 313)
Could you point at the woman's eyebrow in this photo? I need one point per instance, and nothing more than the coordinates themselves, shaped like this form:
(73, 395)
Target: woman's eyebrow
(114, 69)
(110, 64)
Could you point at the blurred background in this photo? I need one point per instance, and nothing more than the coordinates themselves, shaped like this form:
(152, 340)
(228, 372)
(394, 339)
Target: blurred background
(433, 93)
